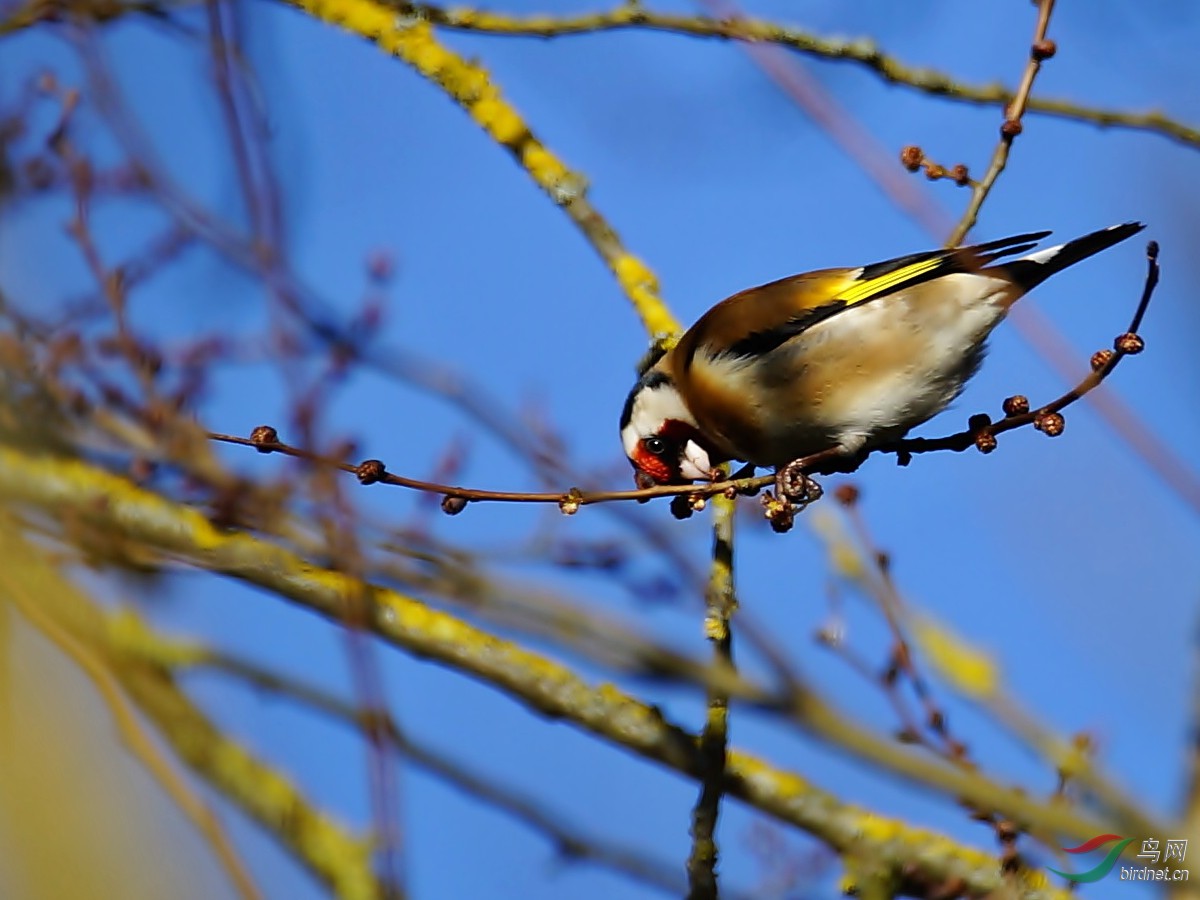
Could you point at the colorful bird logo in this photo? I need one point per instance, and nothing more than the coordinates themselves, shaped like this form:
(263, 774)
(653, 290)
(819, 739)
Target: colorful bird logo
(1104, 866)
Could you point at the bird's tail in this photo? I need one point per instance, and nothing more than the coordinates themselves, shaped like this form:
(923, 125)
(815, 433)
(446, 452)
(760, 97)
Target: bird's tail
(1030, 271)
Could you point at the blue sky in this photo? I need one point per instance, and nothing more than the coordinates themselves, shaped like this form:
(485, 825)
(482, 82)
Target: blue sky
(1070, 562)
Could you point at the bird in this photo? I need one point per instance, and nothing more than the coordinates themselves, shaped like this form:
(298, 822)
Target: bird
(834, 362)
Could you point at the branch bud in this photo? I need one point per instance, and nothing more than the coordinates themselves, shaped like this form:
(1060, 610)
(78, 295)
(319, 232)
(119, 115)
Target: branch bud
(1011, 128)
(846, 494)
(570, 502)
(1100, 359)
(1043, 49)
(262, 435)
(1129, 344)
(452, 505)
(1016, 405)
(1050, 424)
(781, 514)
(370, 471)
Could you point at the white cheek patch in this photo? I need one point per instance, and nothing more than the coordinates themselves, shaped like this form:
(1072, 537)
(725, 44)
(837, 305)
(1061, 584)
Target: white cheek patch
(695, 464)
(629, 439)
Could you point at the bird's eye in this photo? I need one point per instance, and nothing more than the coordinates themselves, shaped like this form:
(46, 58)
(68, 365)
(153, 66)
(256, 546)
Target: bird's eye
(654, 445)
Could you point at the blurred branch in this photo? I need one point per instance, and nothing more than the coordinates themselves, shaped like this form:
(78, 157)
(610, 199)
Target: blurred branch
(1072, 761)
(42, 595)
(1190, 807)
(534, 610)
(713, 747)
(337, 858)
(61, 488)
(469, 84)
(333, 584)
(37, 12)
(867, 880)
(868, 569)
(318, 843)
(571, 843)
(965, 669)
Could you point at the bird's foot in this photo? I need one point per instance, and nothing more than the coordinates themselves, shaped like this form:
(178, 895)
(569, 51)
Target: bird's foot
(793, 484)
(794, 490)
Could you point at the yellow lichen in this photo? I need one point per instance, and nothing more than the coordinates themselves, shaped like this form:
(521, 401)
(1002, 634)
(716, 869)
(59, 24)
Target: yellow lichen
(969, 669)
(543, 165)
(640, 284)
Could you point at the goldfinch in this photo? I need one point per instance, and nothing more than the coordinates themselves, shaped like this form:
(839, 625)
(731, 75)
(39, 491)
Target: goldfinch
(840, 360)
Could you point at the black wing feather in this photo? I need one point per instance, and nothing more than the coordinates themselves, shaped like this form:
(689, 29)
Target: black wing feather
(759, 342)
(953, 260)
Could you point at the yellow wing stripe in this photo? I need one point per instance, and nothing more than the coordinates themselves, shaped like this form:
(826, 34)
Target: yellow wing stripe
(865, 290)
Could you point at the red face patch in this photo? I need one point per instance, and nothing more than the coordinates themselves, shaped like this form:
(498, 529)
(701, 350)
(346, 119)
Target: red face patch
(660, 469)
(663, 467)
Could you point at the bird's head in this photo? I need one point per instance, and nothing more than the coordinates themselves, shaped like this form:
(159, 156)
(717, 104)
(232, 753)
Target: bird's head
(660, 435)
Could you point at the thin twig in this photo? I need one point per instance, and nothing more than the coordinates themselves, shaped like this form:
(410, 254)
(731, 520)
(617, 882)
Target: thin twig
(714, 738)
(893, 607)
(1040, 49)
(1103, 364)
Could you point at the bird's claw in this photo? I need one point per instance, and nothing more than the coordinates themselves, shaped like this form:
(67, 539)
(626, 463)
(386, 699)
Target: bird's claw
(794, 490)
(793, 485)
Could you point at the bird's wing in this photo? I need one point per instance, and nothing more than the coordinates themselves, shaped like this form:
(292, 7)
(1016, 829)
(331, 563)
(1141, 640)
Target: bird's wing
(761, 319)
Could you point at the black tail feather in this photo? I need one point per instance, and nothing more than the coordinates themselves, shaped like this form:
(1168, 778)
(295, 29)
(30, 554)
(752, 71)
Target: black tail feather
(986, 259)
(1033, 270)
(1032, 238)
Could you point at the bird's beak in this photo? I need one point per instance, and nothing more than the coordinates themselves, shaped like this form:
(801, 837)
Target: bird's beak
(695, 464)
